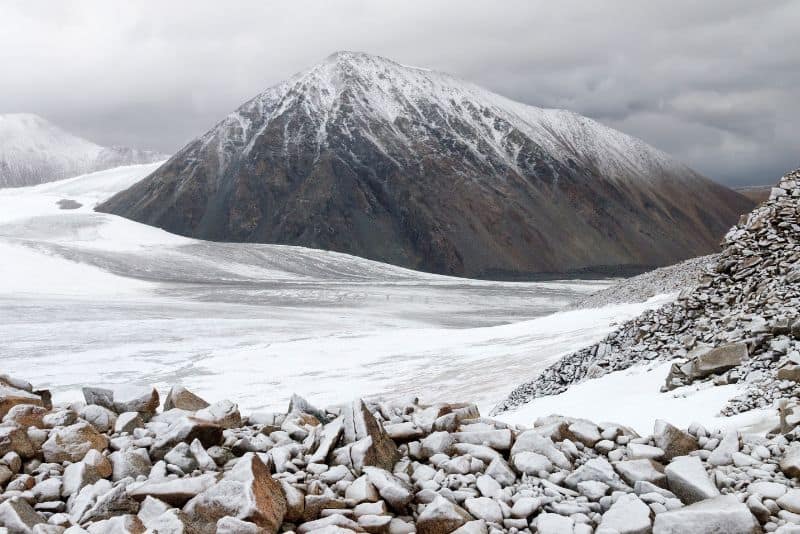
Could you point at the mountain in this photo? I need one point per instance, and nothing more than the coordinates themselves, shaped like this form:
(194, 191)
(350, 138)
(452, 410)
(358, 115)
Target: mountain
(34, 151)
(413, 167)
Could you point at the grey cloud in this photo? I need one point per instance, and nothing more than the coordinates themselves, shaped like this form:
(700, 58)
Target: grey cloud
(715, 82)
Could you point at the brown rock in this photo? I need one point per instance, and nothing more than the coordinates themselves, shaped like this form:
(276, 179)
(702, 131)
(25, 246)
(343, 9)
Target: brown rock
(183, 399)
(247, 492)
(71, 443)
(13, 392)
(359, 424)
(673, 441)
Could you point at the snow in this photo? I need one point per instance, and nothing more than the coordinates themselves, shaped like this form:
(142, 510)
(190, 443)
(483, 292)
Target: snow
(632, 397)
(91, 298)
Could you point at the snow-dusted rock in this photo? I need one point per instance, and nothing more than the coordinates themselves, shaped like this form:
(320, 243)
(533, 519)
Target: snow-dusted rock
(687, 479)
(441, 517)
(71, 443)
(720, 514)
(628, 515)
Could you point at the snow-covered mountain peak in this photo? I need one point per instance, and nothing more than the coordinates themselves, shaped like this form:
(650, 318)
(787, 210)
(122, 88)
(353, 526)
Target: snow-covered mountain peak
(399, 107)
(33, 150)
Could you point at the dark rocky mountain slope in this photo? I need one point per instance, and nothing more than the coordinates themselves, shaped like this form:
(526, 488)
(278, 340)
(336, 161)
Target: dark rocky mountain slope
(413, 167)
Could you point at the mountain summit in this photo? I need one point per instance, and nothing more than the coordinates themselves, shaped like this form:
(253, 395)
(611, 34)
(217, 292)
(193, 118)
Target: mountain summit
(34, 150)
(409, 166)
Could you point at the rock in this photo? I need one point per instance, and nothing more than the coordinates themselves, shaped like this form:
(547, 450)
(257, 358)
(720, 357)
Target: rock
(638, 451)
(172, 521)
(633, 471)
(130, 462)
(687, 479)
(597, 469)
(128, 422)
(331, 433)
(101, 501)
(585, 431)
(436, 443)
(342, 523)
(124, 398)
(13, 392)
(500, 471)
(719, 514)
(183, 399)
(246, 492)
(100, 418)
(223, 413)
(441, 517)
(672, 441)
(298, 404)
(185, 430)
(484, 508)
(26, 415)
(405, 431)
(397, 493)
(15, 439)
(628, 515)
(175, 491)
(548, 523)
(18, 517)
(768, 490)
(71, 443)
(723, 453)
(89, 470)
(150, 509)
(790, 462)
(790, 501)
(121, 524)
(496, 439)
(375, 524)
(532, 441)
(182, 457)
(295, 502)
(358, 424)
(232, 525)
(362, 490)
(707, 361)
(531, 463)
(472, 527)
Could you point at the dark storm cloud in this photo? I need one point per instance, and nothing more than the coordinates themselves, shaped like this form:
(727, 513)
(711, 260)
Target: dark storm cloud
(714, 82)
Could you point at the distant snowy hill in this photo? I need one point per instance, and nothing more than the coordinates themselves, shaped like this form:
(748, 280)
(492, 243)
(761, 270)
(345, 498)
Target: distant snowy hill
(34, 151)
(363, 155)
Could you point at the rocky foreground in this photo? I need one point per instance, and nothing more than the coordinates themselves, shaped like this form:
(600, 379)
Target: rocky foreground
(123, 462)
(740, 324)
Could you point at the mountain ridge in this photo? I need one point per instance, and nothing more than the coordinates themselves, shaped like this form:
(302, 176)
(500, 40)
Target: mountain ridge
(360, 154)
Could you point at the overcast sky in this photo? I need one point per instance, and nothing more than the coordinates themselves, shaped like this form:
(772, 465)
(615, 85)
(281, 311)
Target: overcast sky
(714, 82)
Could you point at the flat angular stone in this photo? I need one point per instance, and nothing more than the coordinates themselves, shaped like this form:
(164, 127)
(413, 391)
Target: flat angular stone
(632, 471)
(673, 441)
(183, 399)
(720, 514)
(18, 516)
(397, 493)
(628, 515)
(358, 424)
(124, 398)
(687, 478)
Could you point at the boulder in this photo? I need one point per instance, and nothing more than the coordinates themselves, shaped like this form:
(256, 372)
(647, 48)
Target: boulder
(790, 462)
(173, 491)
(549, 523)
(358, 424)
(223, 413)
(89, 470)
(723, 453)
(19, 517)
(673, 441)
(719, 514)
(633, 471)
(331, 433)
(183, 399)
(131, 462)
(246, 492)
(532, 441)
(15, 439)
(441, 517)
(298, 404)
(26, 415)
(71, 443)
(99, 417)
(484, 508)
(185, 430)
(121, 524)
(14, 391)
(687, 478)
(128, 422)
(628, 515)
(397, 493)
(121, 398)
